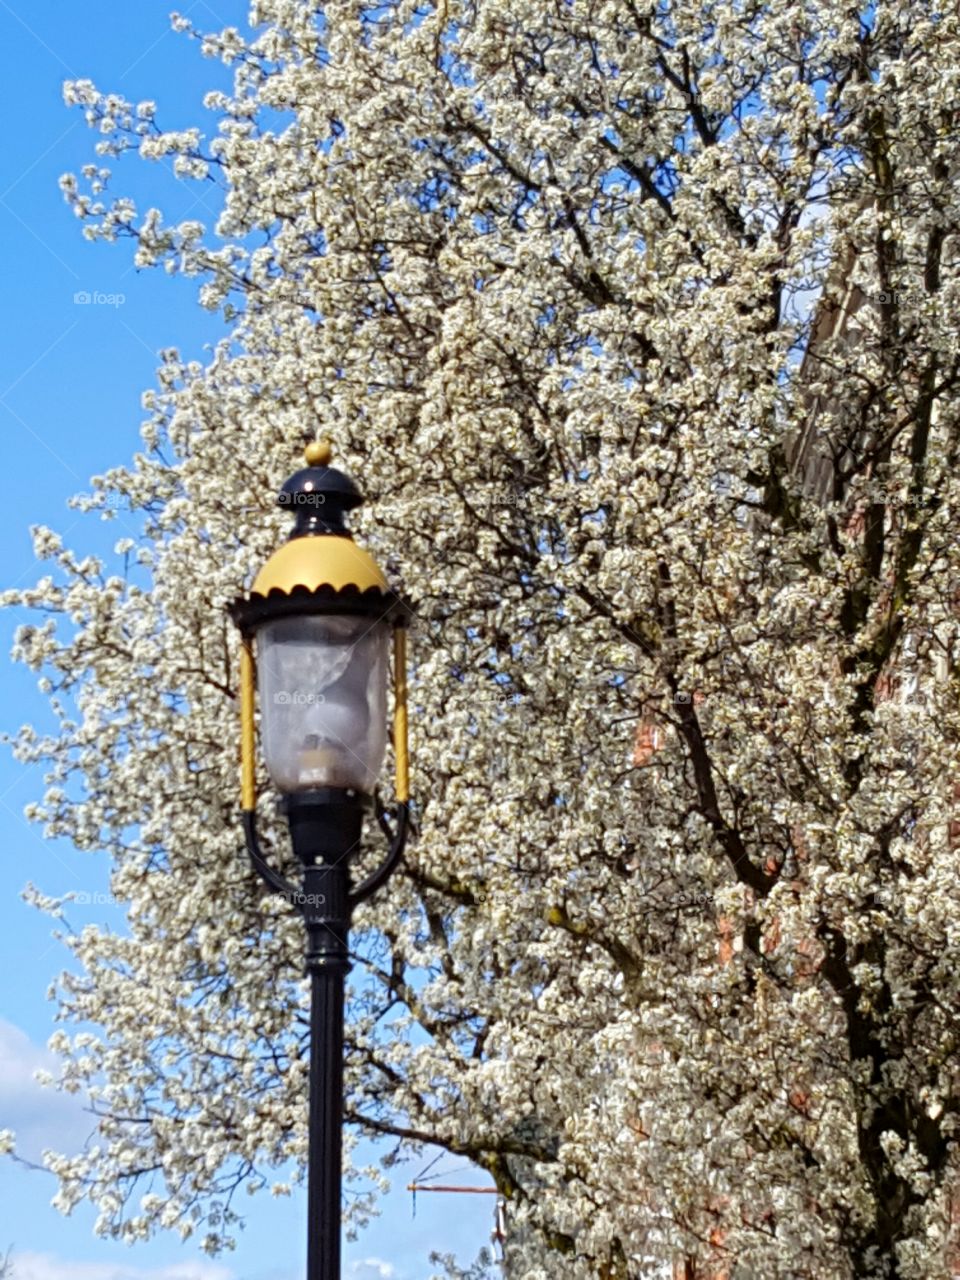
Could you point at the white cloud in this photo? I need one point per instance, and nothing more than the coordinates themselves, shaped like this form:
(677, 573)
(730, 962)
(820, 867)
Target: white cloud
(45, 1266)
(39, 1117)
(371, 1269)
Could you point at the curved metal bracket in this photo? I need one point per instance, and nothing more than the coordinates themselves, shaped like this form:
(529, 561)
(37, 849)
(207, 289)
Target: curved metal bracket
(398, 840)
(396, 835)
(261, 866)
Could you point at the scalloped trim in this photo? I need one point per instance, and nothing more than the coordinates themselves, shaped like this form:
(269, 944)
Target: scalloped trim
(325, 589)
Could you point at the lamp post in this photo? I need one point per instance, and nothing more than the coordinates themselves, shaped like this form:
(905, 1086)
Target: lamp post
(316, 634)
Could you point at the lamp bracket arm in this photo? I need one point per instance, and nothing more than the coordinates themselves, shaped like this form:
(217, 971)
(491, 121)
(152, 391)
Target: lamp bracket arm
(398, 839)
(260, 864)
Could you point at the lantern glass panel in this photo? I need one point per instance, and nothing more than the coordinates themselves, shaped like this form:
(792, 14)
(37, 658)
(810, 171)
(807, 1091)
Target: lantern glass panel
(323, 700)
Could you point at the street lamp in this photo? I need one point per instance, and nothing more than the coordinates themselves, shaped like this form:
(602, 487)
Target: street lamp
(316, 637)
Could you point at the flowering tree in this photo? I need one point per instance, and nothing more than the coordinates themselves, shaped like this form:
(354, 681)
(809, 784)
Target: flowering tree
(540, 270)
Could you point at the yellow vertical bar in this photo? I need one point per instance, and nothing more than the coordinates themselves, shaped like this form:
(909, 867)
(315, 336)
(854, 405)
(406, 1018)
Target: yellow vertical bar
(248, 791)
(400, 726)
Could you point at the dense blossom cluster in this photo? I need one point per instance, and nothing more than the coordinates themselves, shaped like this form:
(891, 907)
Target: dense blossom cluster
(543, 271)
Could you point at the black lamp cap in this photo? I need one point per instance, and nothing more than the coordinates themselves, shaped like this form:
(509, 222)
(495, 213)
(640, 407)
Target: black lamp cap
(319, 497)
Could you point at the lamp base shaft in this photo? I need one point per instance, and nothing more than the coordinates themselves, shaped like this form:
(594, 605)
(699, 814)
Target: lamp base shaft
(326, 1121)
(325, 830)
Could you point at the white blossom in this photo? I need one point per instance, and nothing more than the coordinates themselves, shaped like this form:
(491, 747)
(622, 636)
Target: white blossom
(544, 274)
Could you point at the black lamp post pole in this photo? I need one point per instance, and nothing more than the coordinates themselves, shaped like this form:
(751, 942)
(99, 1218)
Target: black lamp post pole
(321, 573)
(326, 1114)
(325, 828)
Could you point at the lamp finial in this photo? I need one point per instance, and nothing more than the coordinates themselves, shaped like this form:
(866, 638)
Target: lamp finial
(318, 453)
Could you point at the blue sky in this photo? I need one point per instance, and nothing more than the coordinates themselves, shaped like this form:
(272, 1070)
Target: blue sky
(71, 375)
